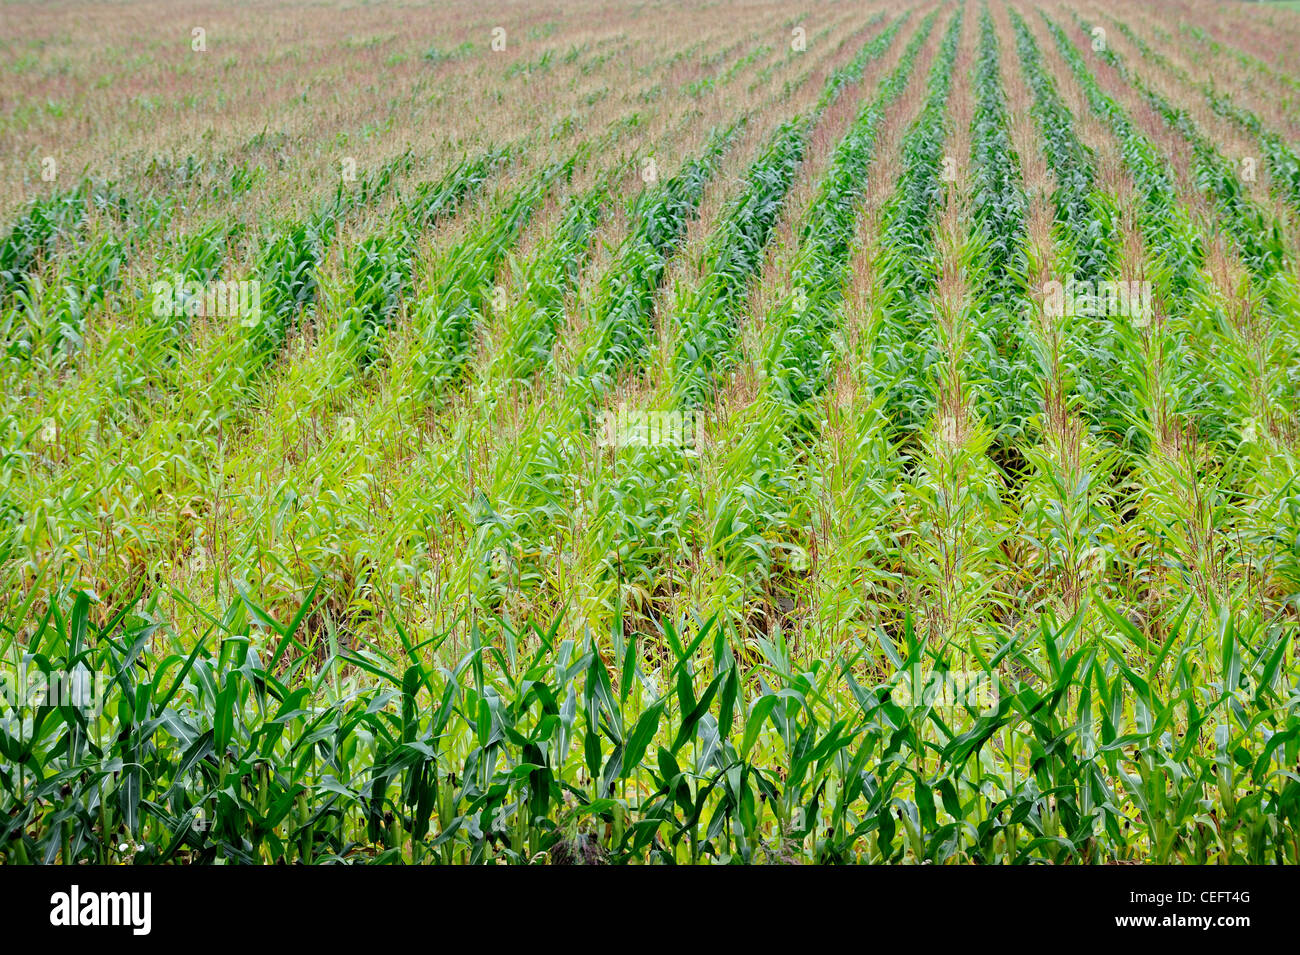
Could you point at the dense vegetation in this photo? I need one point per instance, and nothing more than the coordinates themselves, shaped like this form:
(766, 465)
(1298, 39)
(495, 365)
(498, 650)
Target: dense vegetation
(866, 435)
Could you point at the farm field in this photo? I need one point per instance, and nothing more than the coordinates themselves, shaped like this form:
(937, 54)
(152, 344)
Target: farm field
(656, 433)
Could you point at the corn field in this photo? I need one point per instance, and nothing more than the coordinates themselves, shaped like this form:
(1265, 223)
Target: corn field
(650, 434)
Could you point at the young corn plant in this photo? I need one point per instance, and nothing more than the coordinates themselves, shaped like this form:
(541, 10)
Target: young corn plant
(446, 320)
(619, 314)
(547, 282)
(954, 574)
(644, 535)
(1283, 163)
(908, 261)
(998, 207)
(753, 523)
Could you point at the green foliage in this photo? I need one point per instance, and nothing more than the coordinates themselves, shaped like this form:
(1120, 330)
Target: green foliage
(907, 346)
(621, 308)
(998, 208)
(34, 237)
(708, 314)
(1165, 226)
(529, 748)
(1081, 216)
(937, 576)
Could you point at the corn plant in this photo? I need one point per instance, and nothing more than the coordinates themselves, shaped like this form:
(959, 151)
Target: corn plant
(677, 446)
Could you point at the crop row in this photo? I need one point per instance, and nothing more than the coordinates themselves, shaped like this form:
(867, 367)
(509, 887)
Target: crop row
(708, 314)
(226, 753)
(908, 268)
(1283, 164)
(1086, 221)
